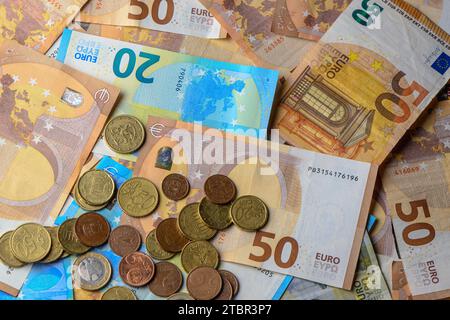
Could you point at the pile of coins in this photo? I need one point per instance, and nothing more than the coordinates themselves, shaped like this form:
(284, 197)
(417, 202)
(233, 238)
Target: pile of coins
(189, 234)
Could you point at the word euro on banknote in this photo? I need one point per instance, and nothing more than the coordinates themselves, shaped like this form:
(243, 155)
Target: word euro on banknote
(417, 184)
(51, 117)
(308, 235)
(356, 93)
(310, 19)
(36, 23)
(369, 283)
(187, 17)
(176, 86)
(249, 24)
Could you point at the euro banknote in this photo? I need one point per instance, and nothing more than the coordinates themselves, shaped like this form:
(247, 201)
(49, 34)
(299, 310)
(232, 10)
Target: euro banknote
(36, 23)
(369, 283)
(172, 85)
(222, 50)
(249, 278)
(355, 94)
(249, 24)
(416, 181)
(187, 17)
(310, 19)
(51, 117)
(308, 235)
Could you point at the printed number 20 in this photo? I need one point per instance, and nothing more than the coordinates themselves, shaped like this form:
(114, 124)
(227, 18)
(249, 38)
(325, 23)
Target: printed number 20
(151, 60)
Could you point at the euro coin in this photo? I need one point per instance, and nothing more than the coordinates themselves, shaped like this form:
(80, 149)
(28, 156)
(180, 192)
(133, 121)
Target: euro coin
(169, 236)
(204, 283)
(249, 213)
(136, 269)
(154, 249)
(199, 254)
(124, 240)
(30, 242)
(192, 225)
(91, 271)
(138, 197)
(227, 291)
(232, 279)
(220, 189)
(216, 216)
(119, 293)
(6, 255)
(180, 296)
(175, 186)
(92, 229)
(96, 187)
(167, 281)
(124, 134)
(83, 204)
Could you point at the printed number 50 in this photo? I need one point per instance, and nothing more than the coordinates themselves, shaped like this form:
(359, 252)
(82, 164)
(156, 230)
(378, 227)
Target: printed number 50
(155, 11)
(415, 205)
(267, 249)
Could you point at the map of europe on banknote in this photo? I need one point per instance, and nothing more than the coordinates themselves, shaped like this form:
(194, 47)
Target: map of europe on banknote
(417, 184)
(356, 94)
(36, 23)
(310, 19)
(51, 116)
(156, 82)
(188, 17)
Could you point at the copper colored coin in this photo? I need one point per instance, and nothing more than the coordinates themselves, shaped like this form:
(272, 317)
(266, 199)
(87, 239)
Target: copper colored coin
(232, 279)
(92, 229)
(136, 269)
(227, 291)
(204, 283)
(124, 240)
(175, 186)
(167, 280)
(169, 235)
(220, 189)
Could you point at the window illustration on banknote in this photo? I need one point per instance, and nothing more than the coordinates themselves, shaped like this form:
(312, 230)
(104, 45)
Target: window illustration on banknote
(325, 116)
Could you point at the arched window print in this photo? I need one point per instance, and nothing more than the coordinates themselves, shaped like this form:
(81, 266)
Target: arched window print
(322, 103)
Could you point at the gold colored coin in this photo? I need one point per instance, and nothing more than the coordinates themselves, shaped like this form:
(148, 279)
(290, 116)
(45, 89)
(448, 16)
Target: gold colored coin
(192, 225)
(30, 242)
(96, 187)
(138, 197)
(91, 271)
(6, 256)
(119, 293)
(56, 250)
(216, 216)
(154, 249)
(199, 254)
(249, 213)
(68, 238)
(124, 134)
(83, 204)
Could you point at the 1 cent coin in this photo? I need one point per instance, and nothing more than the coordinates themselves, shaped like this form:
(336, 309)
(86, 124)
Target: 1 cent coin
(175, 186)
(124, 240)
(220, 189)
(92, 229)
(227, 291)
(136, 269)
(232, 279)
(167, 280)
(169, 236)
(204, 283)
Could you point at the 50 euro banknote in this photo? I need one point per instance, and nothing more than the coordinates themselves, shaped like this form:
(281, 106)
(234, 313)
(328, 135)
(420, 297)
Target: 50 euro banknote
(417, 184)
(365, 82)
(187, 17)
(314, 231)
(51, 116)
(173, 85)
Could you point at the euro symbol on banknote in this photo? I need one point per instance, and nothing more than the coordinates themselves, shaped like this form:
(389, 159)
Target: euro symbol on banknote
(102, 95)
(156, 130)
